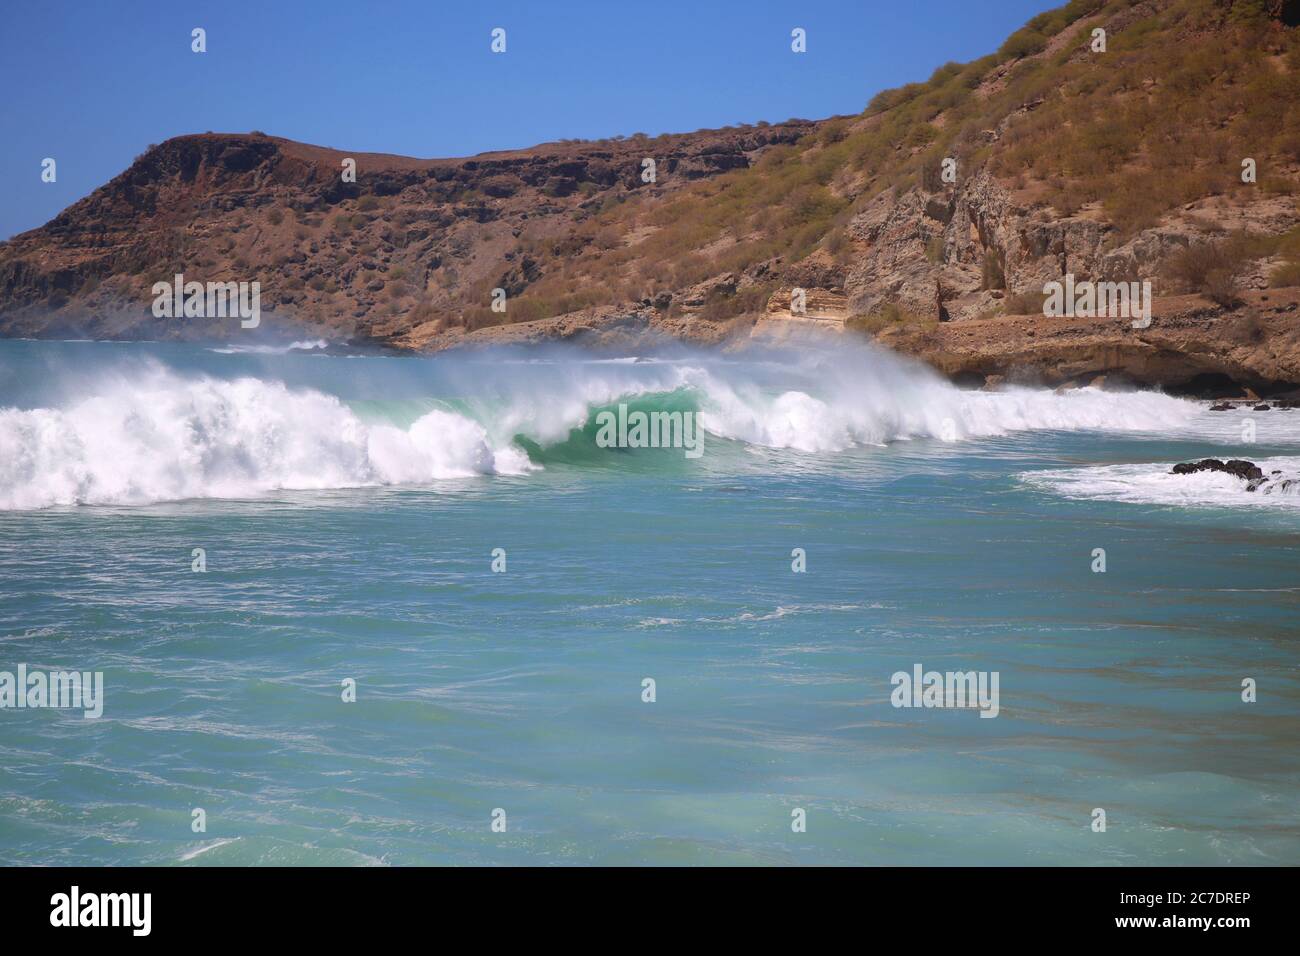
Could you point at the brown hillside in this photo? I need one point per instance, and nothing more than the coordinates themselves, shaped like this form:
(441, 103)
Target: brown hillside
(1117, 165)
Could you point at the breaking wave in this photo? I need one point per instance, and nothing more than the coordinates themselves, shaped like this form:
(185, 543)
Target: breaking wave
(157, 432)
(169, 438)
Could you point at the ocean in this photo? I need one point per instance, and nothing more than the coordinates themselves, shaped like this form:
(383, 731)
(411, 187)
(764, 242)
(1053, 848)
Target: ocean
(568, 653)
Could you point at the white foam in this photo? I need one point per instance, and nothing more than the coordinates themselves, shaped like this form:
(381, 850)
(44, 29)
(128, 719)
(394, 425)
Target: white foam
(1154, 485)
(880, 409)
(164, 438)
(205, 847)
(816, 400)
(151, 433)
(305, 345)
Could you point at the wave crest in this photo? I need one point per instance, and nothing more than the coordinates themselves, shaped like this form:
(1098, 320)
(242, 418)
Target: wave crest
(144, 432)
(169, 438)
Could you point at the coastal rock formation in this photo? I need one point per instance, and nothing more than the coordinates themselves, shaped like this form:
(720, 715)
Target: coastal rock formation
(823, 308)
(1247, 471)
(1237, 467)
(933, 221)
(1192, 347)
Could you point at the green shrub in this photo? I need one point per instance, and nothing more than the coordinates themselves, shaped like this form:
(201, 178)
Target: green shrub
(1024, 42)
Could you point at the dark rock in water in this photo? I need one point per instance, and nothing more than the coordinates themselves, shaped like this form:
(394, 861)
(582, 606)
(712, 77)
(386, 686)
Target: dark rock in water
(1221, 407)
(1261, 408)
(1246, 470)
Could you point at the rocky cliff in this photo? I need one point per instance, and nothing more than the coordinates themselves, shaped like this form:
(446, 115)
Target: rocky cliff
(1168, 153)
(406, 244)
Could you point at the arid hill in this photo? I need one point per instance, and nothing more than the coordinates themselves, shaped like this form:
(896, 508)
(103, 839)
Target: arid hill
(410, 243)
(1111, 140)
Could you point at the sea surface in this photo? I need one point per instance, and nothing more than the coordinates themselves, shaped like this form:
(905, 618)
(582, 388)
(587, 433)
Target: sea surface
(348, 508)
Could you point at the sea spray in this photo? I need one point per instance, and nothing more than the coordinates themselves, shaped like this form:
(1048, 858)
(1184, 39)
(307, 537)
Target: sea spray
(118, 430)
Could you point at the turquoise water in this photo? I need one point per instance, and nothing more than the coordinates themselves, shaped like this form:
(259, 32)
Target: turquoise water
(349, 508)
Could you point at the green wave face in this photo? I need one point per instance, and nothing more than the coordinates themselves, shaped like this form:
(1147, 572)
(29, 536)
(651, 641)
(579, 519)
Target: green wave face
(581, 448)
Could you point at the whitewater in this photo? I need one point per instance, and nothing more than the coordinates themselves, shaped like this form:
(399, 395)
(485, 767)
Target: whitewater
(448, 532)
(130, 429)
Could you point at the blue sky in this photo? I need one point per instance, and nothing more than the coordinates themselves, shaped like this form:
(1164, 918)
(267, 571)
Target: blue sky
(91, 84)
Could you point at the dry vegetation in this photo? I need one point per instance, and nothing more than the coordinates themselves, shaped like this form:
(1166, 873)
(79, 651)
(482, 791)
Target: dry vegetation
(1185, 91)
(1151, 127)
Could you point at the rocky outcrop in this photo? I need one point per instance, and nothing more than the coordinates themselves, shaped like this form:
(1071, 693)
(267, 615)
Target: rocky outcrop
(824, 308)
(1192, 347)
(1247, 471)
(927, 251)
(1237, 467)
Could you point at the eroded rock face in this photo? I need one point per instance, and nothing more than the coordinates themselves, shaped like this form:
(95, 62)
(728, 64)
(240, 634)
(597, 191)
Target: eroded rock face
(920, 248)
(1192, 347)
(827, 306)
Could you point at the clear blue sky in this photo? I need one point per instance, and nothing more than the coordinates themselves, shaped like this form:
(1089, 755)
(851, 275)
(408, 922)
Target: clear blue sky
(93, 83)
